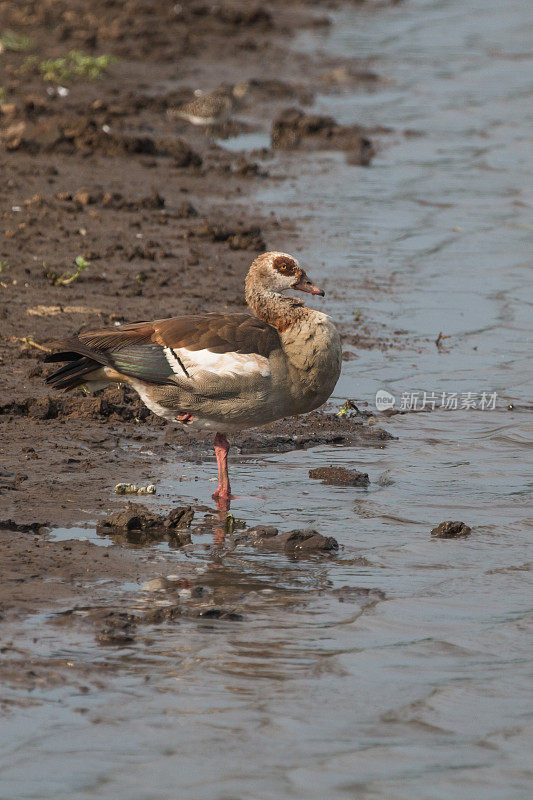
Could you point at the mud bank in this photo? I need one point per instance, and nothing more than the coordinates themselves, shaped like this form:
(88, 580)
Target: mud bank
(153, 209)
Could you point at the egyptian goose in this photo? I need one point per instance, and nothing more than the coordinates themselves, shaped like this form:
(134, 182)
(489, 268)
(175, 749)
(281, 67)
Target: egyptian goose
(219, 372)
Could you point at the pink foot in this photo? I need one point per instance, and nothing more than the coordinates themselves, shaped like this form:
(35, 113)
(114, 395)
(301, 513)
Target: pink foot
(223, 491)
(222, 494)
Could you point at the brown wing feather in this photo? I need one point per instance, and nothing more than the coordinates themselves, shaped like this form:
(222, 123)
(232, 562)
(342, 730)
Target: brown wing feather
(138, 350)
(135, 333)
(220, 333)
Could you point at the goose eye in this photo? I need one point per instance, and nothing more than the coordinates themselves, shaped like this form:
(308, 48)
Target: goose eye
(283, 266)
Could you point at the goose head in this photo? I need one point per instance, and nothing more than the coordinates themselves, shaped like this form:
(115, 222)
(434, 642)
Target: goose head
(278, 272)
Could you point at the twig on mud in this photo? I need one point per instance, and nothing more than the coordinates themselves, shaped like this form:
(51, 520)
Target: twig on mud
(28, 340)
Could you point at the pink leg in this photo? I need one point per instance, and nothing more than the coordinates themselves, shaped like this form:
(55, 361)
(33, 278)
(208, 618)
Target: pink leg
(221, 451)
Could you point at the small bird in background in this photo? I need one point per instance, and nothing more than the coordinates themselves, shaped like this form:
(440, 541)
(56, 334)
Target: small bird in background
(211, 109)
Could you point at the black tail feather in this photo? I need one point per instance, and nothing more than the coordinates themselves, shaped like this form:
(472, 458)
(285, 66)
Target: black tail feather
(73, 374)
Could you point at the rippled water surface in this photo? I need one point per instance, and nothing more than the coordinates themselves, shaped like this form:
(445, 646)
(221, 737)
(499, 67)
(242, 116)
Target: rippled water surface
(419, 689)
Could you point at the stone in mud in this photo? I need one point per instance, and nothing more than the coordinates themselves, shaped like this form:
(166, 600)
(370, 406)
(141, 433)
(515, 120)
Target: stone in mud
(265, 89)
(247, 239)
(243, 16)
(181, 152)
(153, 200)
(451, 530)
(340, 476)
(361, 152)
(244, 168)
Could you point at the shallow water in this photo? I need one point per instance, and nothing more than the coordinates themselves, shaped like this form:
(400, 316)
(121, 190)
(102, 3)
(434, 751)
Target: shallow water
(422, 694)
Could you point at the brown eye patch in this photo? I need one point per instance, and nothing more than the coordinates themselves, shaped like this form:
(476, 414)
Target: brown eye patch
(285, 266)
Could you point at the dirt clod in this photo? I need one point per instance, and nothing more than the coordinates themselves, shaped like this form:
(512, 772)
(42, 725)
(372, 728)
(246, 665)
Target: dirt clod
(180, 517)
(451, 530)
(137, 525)
(135, 517)
(295, 543)
(340, 476)
(294, 128)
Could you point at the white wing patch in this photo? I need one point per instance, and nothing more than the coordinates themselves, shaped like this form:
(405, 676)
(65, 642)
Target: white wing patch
(178, 367)
(188, 363)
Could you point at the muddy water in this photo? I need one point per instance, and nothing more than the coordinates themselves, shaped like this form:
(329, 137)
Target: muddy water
(420, 692)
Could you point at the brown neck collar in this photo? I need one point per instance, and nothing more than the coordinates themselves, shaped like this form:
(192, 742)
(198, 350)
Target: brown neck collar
(277, 310)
